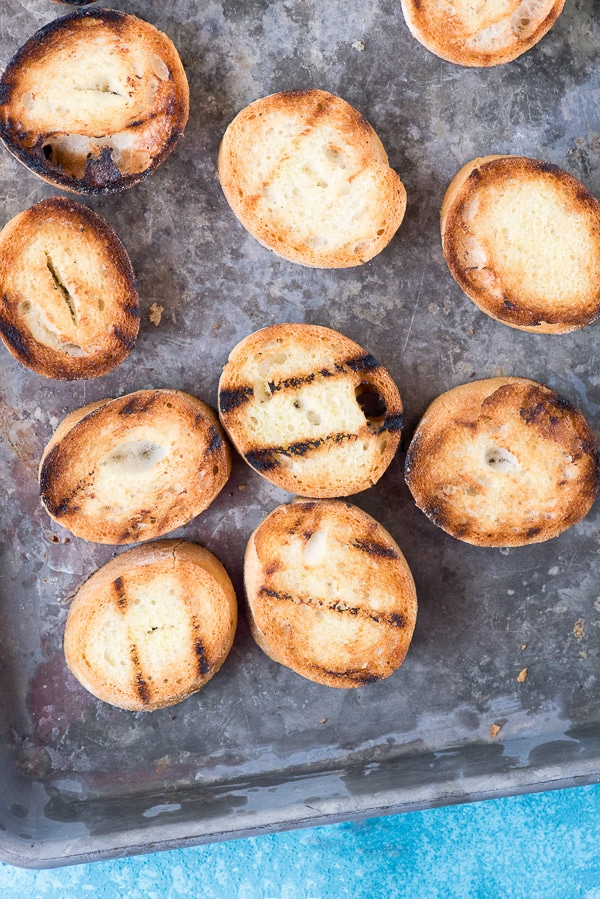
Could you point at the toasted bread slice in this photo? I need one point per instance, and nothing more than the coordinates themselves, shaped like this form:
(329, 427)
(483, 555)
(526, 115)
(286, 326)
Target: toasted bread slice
(503, 462)
(151, 626)
(522, 238)
(94, 102)
(480, 34)
(330, 594)
(290, 400)
(69, 305)
(308, 177)
(134, 468)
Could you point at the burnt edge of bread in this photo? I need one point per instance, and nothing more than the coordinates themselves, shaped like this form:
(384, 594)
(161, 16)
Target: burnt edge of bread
(101, 177)
(24, 347)
(510, 310)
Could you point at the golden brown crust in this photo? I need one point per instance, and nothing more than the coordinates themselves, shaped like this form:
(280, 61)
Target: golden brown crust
(151, 626)
(487, 35)
(308, 177)
(329, 593)
(503, 462)
(94, 101)
(69, 305)
(511, 296)
(134, 468)
(290, 400)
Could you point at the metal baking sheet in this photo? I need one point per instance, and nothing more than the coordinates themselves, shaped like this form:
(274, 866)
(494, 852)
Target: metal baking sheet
(259, 748)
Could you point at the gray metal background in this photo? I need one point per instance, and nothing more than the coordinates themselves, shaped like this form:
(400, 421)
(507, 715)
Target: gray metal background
(260, 748)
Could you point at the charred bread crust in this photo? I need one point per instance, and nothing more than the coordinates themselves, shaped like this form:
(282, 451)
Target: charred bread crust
(549, 296)
(290, 400)
(113, 144)
(494, 38)
(152, 626)
(134, 468)
(309, 178)
(68, 300)
(503, 462)
(329, 593)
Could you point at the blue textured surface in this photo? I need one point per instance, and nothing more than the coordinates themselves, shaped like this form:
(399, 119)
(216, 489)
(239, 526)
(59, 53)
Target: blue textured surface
(546, 844)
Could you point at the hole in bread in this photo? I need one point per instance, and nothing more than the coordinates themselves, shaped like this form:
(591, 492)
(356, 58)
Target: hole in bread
(135, 456)
(315, 548)
(25, 307)
(500, 460)
(47, 150)
(215, 469)
(372, 405)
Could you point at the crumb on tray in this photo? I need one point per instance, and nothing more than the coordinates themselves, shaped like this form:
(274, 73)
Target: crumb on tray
(494, 730)
(156, 312)
(522, 676)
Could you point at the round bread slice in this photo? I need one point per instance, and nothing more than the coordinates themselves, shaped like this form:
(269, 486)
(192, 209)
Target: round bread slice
(329, 593)
(94, 101)
(522, 238)
(480, 34)
(308, 177)
(69, 305)
(134, 468)
(503, 462)
(310, 410)
(151, 626)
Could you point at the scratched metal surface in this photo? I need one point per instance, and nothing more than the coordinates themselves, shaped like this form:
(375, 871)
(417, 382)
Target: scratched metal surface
(259, 748)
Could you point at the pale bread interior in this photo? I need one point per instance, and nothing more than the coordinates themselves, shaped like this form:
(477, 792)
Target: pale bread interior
(524, 236)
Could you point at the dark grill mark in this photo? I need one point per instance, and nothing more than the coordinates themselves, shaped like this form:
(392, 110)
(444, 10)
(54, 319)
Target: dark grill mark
(14, 338)
(61, 288)
(266, 459)
(533, 532)
(102, 170)
(120, 591)
(362, 363)
(141, 685)
(232, 399)
(291, 382)
(203, 666)
(376, 549)
(137, 405)
(216, 440)
(392, 423)
(392, 619)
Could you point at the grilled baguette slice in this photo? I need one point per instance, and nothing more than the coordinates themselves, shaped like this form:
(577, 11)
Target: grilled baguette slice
(151, 626)
(503, 462)
(69, 305)
(134, 468)
(522, 238)
(330, 594)
(480, 34)
(290, 400)
(94, 101)
(308, 177)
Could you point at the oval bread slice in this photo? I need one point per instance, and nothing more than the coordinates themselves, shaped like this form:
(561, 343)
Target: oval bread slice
(69, 305)
(330, 594)
(94, 101)
(480, 34)
(308, 177)
(134, 468)
(290, 400)
(522, 238)
(503, 462)
(151, 626)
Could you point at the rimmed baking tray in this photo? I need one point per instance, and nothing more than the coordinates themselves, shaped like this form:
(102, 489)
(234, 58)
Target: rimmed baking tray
(259, 748)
